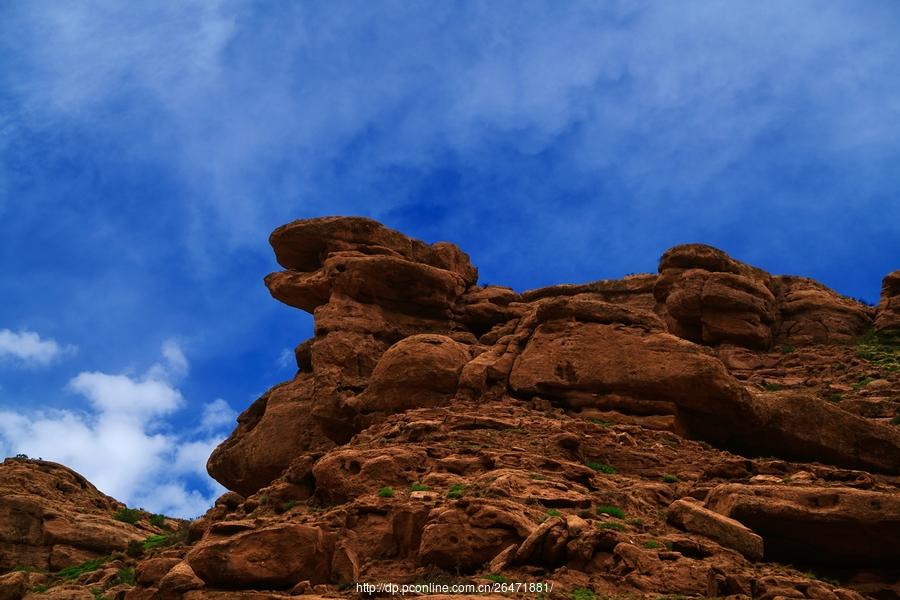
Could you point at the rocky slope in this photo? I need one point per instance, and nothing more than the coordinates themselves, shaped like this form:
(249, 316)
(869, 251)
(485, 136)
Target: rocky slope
(713, 430)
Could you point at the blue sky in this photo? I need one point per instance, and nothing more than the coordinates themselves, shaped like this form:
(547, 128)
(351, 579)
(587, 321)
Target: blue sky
(147, 150)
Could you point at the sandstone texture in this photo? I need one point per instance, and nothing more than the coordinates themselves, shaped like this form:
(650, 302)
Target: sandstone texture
(712, 430)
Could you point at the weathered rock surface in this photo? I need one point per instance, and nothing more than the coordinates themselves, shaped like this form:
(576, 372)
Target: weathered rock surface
(275, 557)
(812, 313)
(888, 311)
(834, 526)
(730, 533)
(51, 517)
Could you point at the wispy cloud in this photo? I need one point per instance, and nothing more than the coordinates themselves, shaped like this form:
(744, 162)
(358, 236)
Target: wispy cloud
(27, 348)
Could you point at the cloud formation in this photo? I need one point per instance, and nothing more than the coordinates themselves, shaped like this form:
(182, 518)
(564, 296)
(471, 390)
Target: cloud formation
(27, 348)
(124, 442)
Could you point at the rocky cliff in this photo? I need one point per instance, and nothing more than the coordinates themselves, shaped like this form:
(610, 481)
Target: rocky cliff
(710, 430)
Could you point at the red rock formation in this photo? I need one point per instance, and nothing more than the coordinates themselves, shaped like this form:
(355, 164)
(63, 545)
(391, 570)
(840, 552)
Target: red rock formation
(608, 436)
(888, 311)
(51, 517)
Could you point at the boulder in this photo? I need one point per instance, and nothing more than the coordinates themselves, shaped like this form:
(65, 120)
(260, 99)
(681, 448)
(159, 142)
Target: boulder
(690, 515)
(888, 311)
(274, 557)
(468, 535)
(811, 313)
(831, 526)
(271, 433)
(418, 371)
(706, 296)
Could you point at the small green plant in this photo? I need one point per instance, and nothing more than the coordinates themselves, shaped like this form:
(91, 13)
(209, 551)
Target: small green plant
(97, 593)
(651, 544)
(895, 420)
(862, 383)
(611, 525)
(881, 349)
(419, 487)
(835, 397)
(40, 589)
(263, 500)
(125, 575)
(613, 511)
(77, 571)
(771, 387)
(669, 478)
(552, 512)
(158, 521)
(456, 491)
(583, 594)
(128, 515)
(787, 349)
(638, 523)
(386, 492)
(602, 422)
(155, 541)
(601, 467)
(286, 506)
(496, 578)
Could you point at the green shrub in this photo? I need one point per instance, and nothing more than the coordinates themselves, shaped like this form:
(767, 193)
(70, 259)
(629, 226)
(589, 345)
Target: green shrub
(496, 578)
(125, 575)
(835, 397)
(669, 478)
(652, 544)
(456, 491)
(155, 541)
(895, 420)
(158, 521)
(418, 487)
(787, 349)
(583, 594)
(78, 570)
(613, 511)
(602, 422)
(386, 492)
(128, 515)
(771, 387)
(552, 512)
(611, 525)
(286, 506)
(264, 500)
(862, 383)
(601, 467)
(881, 349)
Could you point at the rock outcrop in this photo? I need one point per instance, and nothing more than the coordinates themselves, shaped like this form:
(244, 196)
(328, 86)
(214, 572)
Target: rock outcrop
(51, 517)
(670, 434)
(888, 311)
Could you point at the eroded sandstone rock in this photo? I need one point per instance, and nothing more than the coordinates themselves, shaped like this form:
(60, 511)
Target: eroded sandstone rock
(51, 517)
(888, 311)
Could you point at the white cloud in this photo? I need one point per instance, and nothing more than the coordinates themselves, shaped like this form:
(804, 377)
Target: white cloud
(123, 443)
(29, 349)
(217, 415)
(287, 359)
(122, 396)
